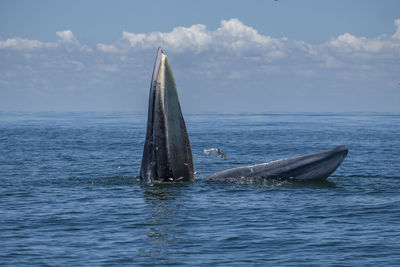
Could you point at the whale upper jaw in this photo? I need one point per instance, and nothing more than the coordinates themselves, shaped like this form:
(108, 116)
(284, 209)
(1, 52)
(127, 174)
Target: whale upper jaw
(167, 155)
(307, 167)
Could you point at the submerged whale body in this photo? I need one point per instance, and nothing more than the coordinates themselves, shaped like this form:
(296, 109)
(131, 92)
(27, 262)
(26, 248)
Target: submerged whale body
(167, 156)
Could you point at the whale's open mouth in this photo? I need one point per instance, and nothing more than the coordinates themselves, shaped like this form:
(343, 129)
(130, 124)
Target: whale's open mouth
(167, 155)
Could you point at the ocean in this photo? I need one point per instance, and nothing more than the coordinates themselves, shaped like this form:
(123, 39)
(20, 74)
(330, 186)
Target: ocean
(70, 193)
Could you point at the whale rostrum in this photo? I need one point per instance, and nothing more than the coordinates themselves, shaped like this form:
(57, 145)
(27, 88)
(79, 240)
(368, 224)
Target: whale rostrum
(167, 155)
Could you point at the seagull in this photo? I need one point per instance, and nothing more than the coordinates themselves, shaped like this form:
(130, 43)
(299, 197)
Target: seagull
(215, 151)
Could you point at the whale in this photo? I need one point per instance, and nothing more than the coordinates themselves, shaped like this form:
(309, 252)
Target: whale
(167, 155)
(315, 166)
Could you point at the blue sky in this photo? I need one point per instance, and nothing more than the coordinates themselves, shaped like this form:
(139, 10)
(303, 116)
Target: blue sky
(227, 56)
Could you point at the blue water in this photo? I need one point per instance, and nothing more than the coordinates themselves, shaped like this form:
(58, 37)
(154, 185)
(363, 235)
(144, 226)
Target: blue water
(70, 193)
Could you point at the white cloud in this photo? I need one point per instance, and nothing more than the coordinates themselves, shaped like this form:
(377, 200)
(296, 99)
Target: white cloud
(66, 39)
(66, 36)
(350, 43)
(107, 48)
(397, 33)
(347, 50)
(78, 65)
(232, 61)
(362, 46)
(195, 37)
(22, 44)
(232, 35)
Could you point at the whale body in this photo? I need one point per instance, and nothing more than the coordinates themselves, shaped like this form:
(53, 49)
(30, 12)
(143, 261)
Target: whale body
(307, 167)
(167, 155)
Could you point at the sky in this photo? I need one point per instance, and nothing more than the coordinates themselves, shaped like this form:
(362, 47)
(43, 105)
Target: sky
(227, 56)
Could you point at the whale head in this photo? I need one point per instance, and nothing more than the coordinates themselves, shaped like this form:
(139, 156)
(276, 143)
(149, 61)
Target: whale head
(167, 156)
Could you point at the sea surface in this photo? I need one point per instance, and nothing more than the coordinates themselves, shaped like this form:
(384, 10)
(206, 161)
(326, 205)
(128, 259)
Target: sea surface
(70, 194)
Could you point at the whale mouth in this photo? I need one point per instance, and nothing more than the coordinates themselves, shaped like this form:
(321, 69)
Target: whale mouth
(324, 167)
(167, 156)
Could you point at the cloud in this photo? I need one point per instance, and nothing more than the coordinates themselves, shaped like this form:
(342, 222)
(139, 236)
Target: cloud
(66, 39)
(381, 46)
(232, 35)
(66, 36)
(236, 38)
(233, 61)
(107, 48)
(195, 37)
(347, 51)
(396, 35)
(78, 65)
(348, 43)
(21, 44)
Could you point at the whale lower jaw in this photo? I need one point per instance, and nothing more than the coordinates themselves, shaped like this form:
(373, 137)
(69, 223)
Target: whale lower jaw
(322, 170)
(307, 167)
